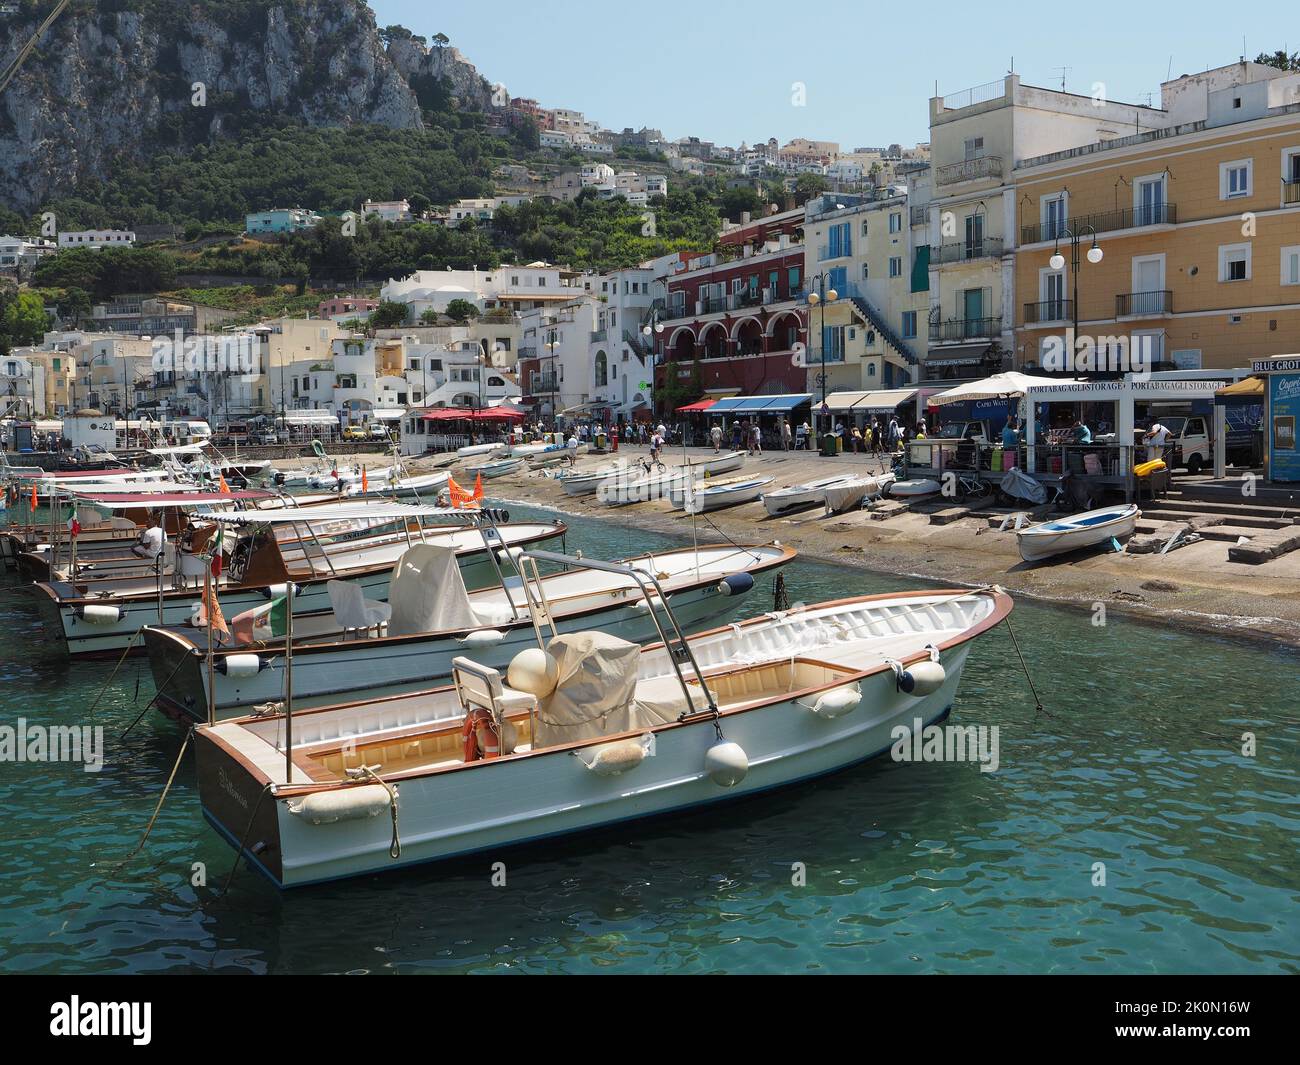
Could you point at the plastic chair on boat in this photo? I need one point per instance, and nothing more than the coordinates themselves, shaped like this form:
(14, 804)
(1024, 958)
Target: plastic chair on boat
(353, 611)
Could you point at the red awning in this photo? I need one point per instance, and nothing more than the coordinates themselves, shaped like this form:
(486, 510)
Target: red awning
(487, 414)
(697, 406)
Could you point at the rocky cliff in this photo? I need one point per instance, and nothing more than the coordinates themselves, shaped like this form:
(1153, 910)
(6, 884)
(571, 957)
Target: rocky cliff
(118, 79)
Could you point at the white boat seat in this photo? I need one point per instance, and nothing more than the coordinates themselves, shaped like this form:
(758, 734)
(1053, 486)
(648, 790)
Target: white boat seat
(352, 610)
(189, 567)
(481, 686)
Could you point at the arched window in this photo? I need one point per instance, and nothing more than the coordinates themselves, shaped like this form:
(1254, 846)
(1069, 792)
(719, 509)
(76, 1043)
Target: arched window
(602, 369)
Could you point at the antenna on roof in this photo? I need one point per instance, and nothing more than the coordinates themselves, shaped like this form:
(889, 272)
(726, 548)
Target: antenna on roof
(1064, 71)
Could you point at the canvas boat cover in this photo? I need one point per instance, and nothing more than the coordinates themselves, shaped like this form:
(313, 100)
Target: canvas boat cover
(594, 694)
(427, 593)
(1021, 486)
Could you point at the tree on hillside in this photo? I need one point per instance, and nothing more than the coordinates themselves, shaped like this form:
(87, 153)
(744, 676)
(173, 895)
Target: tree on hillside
(461, 310)
(1280, 59)
(25, 319)
(735, 202)
(809, 185)
(388, 315)
(428, 316)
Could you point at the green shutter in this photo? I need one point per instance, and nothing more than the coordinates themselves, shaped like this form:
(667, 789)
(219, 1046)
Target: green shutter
(921, 269)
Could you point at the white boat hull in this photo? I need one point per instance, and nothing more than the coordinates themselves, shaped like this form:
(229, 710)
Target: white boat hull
(1089, 529)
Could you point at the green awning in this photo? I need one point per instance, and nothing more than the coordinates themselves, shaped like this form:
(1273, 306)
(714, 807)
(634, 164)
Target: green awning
(921, 269)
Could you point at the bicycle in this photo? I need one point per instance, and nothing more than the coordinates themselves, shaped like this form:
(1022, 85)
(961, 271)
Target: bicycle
(652, 465)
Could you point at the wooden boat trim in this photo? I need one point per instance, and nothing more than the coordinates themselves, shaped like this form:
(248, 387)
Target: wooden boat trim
(1002, 605)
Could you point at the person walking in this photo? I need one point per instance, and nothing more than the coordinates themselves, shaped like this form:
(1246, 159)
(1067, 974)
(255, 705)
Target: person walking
(715, 434)
(895, 434)
(857, 440)
(756, 440)
(787, 435)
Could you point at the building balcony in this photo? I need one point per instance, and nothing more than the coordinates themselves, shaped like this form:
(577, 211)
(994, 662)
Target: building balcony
(540, 384)
(986, 166)
(529, 351)
(1049, 311)
(1291, 192)
(842, 251)
(964, 251)
(956, 330)
(1156, 214)
(1144, 304)
(599, 336)
(918, 216)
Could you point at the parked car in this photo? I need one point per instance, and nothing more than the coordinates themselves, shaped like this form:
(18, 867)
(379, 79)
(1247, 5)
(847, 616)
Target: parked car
(355, 432)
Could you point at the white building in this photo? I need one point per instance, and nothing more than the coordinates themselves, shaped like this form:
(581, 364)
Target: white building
(96, 238)
(510, 288)
(22, 253)
(388, 210)
(554, 138)
(22, 386)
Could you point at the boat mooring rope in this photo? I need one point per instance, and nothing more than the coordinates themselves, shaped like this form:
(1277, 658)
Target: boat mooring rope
(157, 693)
(125, 651)
(239, 851)
(161, 798)
(395, 847)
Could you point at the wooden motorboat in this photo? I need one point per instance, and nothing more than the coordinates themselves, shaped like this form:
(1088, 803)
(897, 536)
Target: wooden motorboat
(499, 468)
(104, 617)
(434, 620)
(476, 450)
(713, 465)
(1088, 529)
(590, 732)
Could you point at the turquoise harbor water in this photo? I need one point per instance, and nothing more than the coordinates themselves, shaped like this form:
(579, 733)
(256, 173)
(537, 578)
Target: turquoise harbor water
(1136, 763)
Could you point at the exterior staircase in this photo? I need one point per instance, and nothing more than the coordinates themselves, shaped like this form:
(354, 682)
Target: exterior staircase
(877, 322)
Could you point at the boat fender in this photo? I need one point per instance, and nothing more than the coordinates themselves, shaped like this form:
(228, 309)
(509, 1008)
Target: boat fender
(274, 591)
(482, 638)
(836, 702)
(99, 615)
(533, 671)
(240, 665)
(343, 804)
(922, 678)
(613, 758)
(642, 606)
(736, 583)
(726, 763)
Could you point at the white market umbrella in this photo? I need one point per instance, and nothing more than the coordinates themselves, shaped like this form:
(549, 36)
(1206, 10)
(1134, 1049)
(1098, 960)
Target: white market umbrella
(999, 386)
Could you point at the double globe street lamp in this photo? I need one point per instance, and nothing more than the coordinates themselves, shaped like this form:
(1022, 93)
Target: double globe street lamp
(815, 299)
(1057, 262)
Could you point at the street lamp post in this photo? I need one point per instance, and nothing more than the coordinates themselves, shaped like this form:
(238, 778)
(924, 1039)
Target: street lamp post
(550, 346)
(820, 298)
(653, 330)
(1057, 262)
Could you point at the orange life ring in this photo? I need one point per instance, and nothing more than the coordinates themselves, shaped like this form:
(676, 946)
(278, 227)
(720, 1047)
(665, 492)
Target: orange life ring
(482, 739)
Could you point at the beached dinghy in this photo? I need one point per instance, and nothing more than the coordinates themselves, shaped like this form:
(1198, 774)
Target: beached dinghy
(105, 622)
(582, 484)
(499, 468)
(915, 488)
(854, 490)
(434, 620)
(714, 495)
(799, 496)
(1079, 530)
(590, 732)
(478, 450)
(714, 465)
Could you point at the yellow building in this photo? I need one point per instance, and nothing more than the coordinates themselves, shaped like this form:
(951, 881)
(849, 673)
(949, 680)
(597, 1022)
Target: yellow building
(1197, 223)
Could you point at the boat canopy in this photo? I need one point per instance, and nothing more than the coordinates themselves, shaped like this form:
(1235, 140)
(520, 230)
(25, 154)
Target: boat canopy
(484, 414)
(134, 500)
(368, 511)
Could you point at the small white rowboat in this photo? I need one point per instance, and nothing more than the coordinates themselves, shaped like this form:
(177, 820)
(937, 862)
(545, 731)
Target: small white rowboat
(1079, 530)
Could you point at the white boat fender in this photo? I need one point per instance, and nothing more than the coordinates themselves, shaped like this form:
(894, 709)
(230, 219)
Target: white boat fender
(726, 763)
(610, 759)
(240, 665)
(482, 638)
(921, 678)
(99, 615)
(275, 591)
(642, 606)
(533, 671)
(836, 702)
(342, 804)
(510, 556)
(736, 583)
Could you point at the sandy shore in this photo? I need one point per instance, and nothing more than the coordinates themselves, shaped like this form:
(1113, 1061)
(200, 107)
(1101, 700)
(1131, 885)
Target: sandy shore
(1192, 587)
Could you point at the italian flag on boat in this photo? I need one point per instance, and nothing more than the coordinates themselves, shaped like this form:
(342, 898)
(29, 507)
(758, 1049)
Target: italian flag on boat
(262, 622)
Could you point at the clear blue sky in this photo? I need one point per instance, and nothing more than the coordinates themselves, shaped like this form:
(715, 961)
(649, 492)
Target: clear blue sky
(723, 70)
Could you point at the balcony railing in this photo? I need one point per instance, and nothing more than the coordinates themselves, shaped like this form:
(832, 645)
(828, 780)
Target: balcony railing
(713, 305)
(967, 250)
(965, 329)
(540, 383)
(529, 351)
(749, 298)
(1142, 304)
(1155, 214)
(1291, 191)
(986, 166)
(1049, 311)
(840, 251)
(599, 336)
(919, 215)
